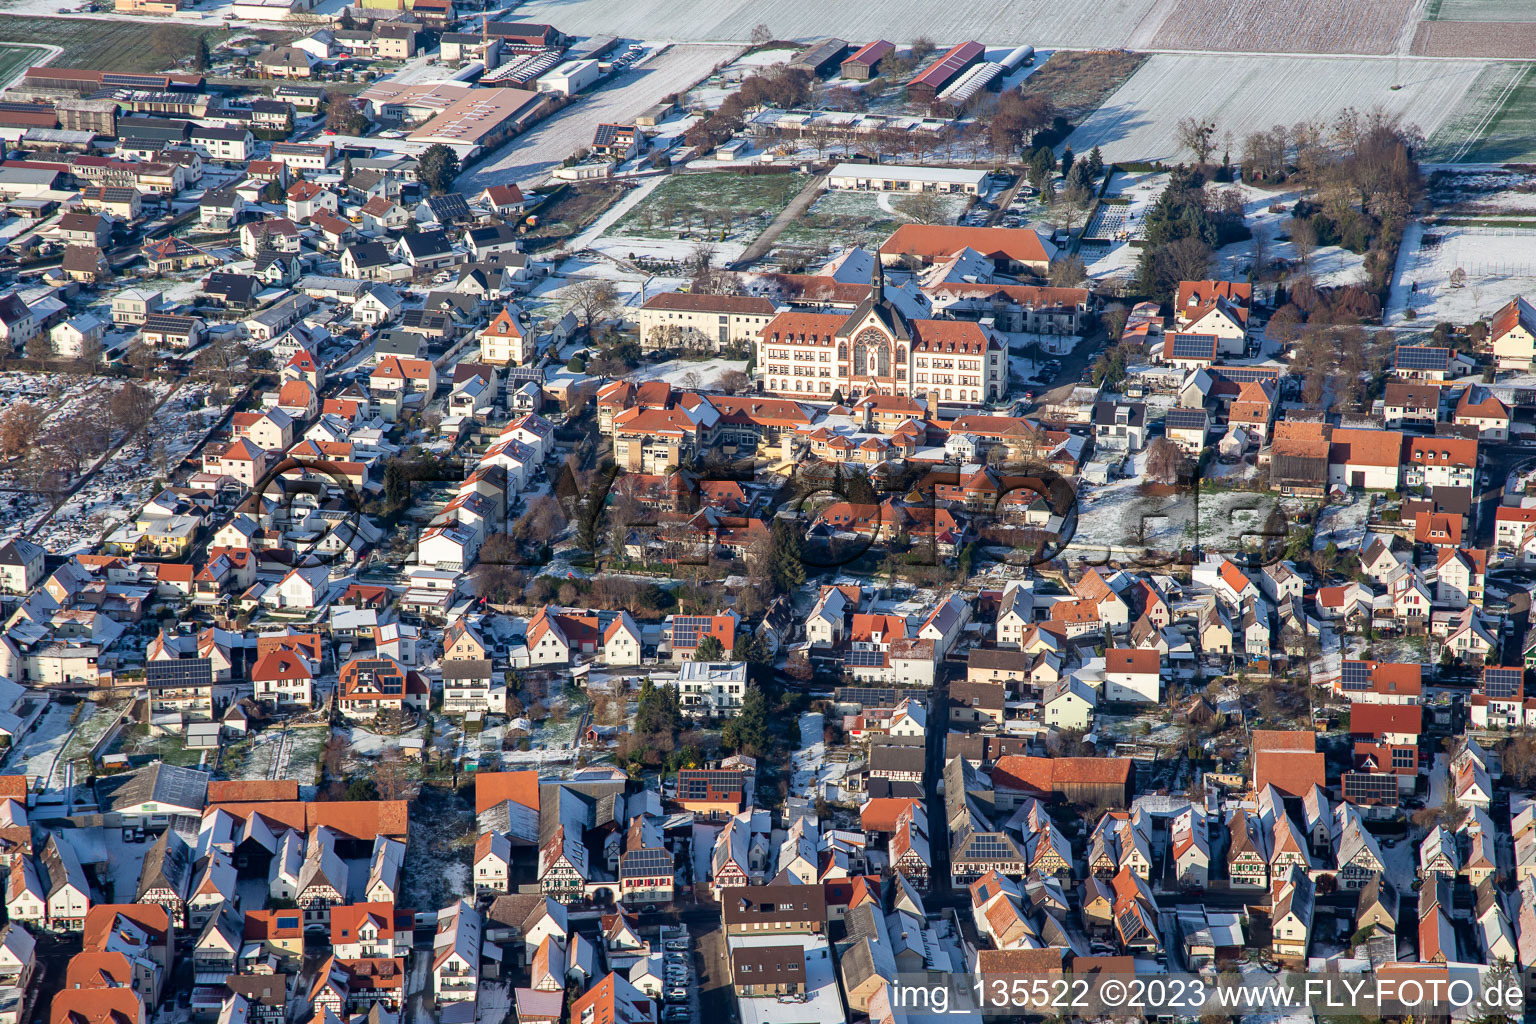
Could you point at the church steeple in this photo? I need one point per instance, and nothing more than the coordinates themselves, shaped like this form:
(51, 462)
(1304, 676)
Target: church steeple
(877, 279)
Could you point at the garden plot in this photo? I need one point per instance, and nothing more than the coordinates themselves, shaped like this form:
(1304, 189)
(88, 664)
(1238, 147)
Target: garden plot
(135, 742)
(276, 753)
(1248, 93)
(1118, 520)
(90, 728)
(1499, 264)
(718, 206)
(1041, 23)
(839, 219)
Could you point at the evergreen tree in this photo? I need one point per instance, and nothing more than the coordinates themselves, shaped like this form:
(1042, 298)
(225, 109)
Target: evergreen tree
(200, 55)
(857, 488)
(1066, 160)
(753, 721)
(786, 567)
(747, 732)
(1095, 163)
(709, 649)
(437, 167)
(397, 484)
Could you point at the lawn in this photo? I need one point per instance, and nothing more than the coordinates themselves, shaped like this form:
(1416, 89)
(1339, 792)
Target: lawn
(725, 205)
(838, 219)
(107, 45)
(135, 742)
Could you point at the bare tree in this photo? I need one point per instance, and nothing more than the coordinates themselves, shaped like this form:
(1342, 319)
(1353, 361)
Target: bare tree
(131, 407)
(1304, 239)
(1068, 272)
(1261, 271)
(1165, 462)
(732, 381)
(592, 300)
(19, 428)
(1199, 137)
(923, 208)
(42, 348)
(762, 34)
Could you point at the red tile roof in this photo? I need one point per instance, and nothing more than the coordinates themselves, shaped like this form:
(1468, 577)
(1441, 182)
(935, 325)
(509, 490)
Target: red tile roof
(931, 242)
(493, 788)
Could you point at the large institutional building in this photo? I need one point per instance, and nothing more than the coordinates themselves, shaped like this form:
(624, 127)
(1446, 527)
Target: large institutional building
(877, 350)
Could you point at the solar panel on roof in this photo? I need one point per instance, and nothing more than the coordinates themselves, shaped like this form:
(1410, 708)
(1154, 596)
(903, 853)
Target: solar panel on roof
(1194, 346)
(645, 862)
(989, 846)
(1420, 357)
(1356, 676)
(133, 81)
(864, 659)
(179, 673)
(1246, 374)
(1502, 682)
(1184, 419)
(1370, 787)
(686, 629)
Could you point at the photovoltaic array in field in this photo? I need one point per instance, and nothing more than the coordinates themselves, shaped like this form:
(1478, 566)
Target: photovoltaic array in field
(1243, 94)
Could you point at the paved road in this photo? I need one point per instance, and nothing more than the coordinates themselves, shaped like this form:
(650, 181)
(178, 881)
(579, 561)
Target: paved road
(793, 212)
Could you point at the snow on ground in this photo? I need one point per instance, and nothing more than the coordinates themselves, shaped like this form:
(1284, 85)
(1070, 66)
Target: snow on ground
(1091, 23)
(1117, 517)
(674, 370)
(1500, 263)
(38, 751)
(1342, 524)
(125, 863)
(612, 215)
(1243, 94)
(669, 249)
(530, 157)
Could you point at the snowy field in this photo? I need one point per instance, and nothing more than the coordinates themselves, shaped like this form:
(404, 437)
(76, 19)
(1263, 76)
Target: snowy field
(1040, 23)
(1245, 94)
(688, 372)
(1500, 263)
(530, 157)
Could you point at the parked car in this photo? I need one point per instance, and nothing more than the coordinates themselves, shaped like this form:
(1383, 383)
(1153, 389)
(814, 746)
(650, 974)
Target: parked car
(677, 995)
